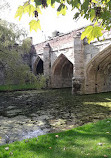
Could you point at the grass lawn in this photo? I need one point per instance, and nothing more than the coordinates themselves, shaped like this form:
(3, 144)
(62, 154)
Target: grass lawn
(4, 88)
(92, 140)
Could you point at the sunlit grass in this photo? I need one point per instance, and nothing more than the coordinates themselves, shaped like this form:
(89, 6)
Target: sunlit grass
(105, 104)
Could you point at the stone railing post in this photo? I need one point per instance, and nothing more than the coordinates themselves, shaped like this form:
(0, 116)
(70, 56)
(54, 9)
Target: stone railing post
(78, 69)
(47, 64)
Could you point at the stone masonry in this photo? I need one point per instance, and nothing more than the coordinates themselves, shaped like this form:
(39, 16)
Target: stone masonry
(69, 62)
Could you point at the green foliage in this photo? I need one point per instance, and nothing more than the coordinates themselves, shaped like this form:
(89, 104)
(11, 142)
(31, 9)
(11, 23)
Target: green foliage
(6, 88)
(62, 9)
(12, 66)
(26, 8)
(31, 10)
(92, 32)
(34, 25)
(98, 11)
(14, 70)
(31, 82)
(26, 45)
(74, 3)
(10, 34)
(19, 12)
(7, 37)
(41, 80)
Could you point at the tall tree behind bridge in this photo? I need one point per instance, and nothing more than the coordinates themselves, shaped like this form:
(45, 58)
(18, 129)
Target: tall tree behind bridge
(12, 68)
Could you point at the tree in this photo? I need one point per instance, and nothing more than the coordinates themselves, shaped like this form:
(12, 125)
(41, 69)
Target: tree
(3, 5)
(13, 70)
(98, 11)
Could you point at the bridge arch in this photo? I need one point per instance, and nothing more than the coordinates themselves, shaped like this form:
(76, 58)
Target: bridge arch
(62, 72)
(98, 72)
(38, 66)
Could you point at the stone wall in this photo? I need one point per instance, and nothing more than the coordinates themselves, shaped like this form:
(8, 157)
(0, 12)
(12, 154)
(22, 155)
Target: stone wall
(70, 62)
(97, 76)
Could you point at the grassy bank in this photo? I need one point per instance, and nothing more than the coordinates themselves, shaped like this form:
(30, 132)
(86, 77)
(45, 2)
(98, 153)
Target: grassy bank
(92, 140)
(4, 88)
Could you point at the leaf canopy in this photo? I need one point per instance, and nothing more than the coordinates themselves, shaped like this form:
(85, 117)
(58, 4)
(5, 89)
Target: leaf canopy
(34, 25)
(92, 32)
(98, 11)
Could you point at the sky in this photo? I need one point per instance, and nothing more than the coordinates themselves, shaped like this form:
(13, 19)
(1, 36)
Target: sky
(49, 21)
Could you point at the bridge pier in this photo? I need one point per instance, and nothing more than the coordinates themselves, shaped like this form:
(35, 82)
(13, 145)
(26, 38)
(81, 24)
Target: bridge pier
(47, 64)
(78, 67)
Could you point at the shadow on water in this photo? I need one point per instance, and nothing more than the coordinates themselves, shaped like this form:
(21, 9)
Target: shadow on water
(31, 113)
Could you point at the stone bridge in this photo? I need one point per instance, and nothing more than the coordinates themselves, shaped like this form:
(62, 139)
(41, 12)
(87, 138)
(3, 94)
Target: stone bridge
(66, 61)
